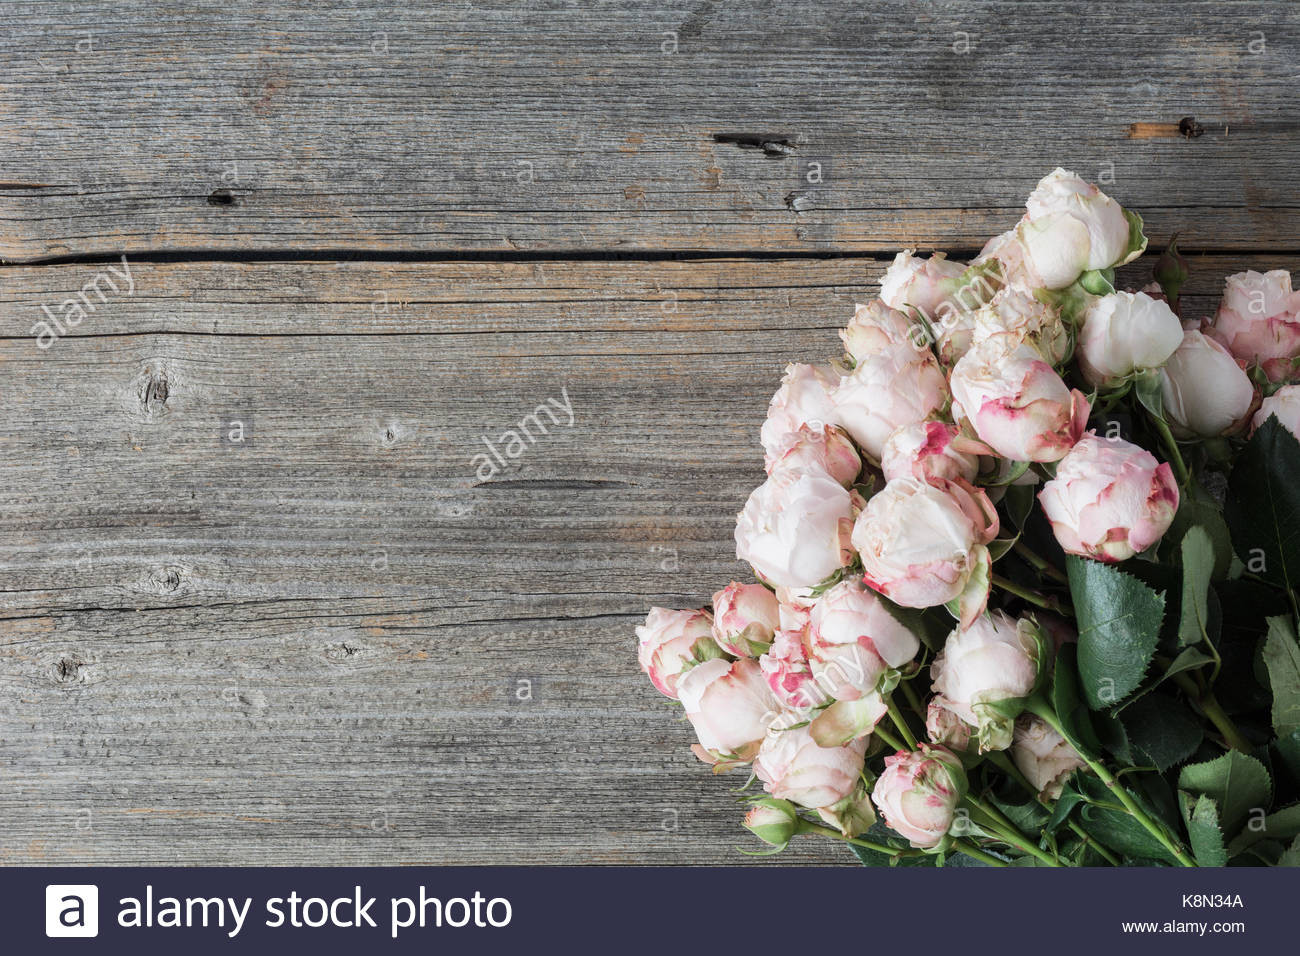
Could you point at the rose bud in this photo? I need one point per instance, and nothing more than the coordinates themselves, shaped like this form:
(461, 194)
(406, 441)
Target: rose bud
(855, 647)
(793, 766)
(1109, 499)
(826, 448)
(1259, 321)
(772, 821)
(921, 284)
(1205, 392)
(851, 815)
(1016, 402)
(876, 327)
(1285, 404)
(1043, 756)
(795, 528)
(730, 706)
(745, 619)
(994, 661)
(788, 671)
(918, 794)
(672, 642)
(944, 726)
(930, 451)
(1072, 227)
(926, 544)
(1124, 333)
(804, 398)
(896, 386)
(1017, 313)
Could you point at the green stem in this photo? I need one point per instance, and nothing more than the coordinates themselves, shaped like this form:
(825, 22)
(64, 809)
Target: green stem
(1033, 597)
(897, 717)
(1171, 450)
(1000, 760)
(889, 738)
(1219, 717)
(1040, 707)
(1039, 562)
(1009, 833)
(912, 699)
(961, 846)
(806, 827)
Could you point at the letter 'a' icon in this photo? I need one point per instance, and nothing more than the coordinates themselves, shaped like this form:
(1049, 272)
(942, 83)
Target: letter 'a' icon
(71, 909)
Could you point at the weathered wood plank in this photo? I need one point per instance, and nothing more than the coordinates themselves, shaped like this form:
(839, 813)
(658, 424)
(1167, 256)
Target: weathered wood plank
(309, 648)
(551, 125)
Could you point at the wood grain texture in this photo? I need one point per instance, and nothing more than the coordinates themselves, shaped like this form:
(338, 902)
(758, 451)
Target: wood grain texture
(199, 126)
(308, 648)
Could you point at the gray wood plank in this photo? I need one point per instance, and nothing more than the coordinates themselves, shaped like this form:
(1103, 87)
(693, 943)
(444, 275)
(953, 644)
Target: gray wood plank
(505, 126)
(308, 648)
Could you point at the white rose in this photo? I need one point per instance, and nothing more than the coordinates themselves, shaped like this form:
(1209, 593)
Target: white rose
(730, 706)
(1124, 333)
(793, 766)
(1206, 393)
(995, 659)
(1285, 404)
(1018, 313)
(1072, 227)
(928, 451)
(804, 398)
(795, 528)
(896, 386)
(922, 284)
(875, 327)
(1043, 756)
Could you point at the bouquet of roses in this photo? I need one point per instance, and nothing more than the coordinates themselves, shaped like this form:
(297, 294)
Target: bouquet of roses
(1027, 560)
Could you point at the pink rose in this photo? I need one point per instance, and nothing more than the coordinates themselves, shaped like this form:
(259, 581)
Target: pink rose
(788, 672)
(795, 528)
(930, 451)
(1072, 227)
(997, 658)
(804, 398)
(926, 544)
(1125, 333)
(921, 284)
(794, 767)
(918, 794)
(1016, 402)
(671, 642)
(1043, 756)
(1109, 499)
(1205, 391)
(1259, 321)
(745, 619)
(1285, 404)
(730, 706)
(853, 641)
(945, 726)
(826, 448)
(895, 386)
(876, 327)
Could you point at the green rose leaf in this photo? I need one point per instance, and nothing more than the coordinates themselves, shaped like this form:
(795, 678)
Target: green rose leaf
(1282, 825)
(1198, 567)
(1066, 700)
(1161, 730)
(1282, 658)
(1202, 816)
(1119, 621)
(1292, 855)
(1119, 831)
(1237, 783)
(1263, 505)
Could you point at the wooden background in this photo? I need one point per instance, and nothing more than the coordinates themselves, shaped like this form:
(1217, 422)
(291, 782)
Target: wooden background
(377, 233)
